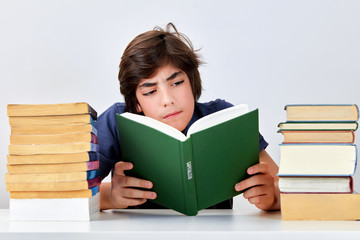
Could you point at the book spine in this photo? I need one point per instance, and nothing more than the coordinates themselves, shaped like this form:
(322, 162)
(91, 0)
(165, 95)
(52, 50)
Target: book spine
(92, 121)
(351, 184)
(94, 147)
(356, 158)
(93, 156)
(92, 174)
(92, 112)
(92, 165)
(94, 190)
(94, 182)
(189, 184)
(94, 138)
(94, 130)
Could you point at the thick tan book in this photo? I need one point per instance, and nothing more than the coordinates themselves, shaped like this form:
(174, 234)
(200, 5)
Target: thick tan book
(52, 177)
(318, 136)
(318, 112)
(52, 158)
(330, 207)
(27, 149)
(53, 186)
(52, 194)
(50, 109)
(53, 168)
(52, 129)
(54, 138)
(50, 120)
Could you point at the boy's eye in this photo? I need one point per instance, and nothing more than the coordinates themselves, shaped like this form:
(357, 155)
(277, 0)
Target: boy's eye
(149, 93)
(178, 83)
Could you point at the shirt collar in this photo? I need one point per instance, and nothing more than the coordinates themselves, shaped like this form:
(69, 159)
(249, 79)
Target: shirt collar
(196, 116)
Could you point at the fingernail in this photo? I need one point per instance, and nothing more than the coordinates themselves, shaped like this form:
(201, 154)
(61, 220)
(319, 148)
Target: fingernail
(250, 170)
(148, 184)
(152, 195)
(128, 165)
(237, 187)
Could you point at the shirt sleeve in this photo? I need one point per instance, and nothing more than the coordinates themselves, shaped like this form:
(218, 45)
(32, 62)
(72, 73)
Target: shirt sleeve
(262, 143)
(108, 139)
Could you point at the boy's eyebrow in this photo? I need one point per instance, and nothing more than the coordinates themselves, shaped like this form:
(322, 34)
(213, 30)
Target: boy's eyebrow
(150, 84)
(147, 84)
(174, 75)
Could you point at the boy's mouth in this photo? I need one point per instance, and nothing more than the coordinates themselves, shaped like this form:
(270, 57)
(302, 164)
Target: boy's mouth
(172, 114)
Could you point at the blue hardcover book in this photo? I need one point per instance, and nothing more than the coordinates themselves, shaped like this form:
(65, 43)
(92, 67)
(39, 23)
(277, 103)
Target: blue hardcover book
(92, 174)
(93, 156)
(95, 190)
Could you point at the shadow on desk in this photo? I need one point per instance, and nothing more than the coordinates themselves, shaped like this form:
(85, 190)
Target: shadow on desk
(170, 213)
(206, 220)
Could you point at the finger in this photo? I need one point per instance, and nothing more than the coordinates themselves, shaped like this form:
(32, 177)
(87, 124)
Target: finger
(121, 202)
(126, 181)
(120, 167)
(134, 201)
(263, 202)
(262, 167)
(260, 179)
(256, 191)
(139, 194)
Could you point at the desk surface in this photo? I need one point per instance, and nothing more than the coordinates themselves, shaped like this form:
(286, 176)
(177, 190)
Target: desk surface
(165, 224)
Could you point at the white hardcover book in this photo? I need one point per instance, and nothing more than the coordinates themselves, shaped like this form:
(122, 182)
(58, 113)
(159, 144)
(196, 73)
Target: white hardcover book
(315, 184)
(317, 159)
(66, 209)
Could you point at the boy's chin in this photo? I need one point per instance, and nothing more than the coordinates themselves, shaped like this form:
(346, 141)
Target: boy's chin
(178, 126)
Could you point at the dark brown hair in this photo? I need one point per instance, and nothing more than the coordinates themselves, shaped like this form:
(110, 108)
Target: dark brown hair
(151, 50)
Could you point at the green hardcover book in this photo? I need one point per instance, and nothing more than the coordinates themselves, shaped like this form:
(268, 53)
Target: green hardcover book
(197, 171)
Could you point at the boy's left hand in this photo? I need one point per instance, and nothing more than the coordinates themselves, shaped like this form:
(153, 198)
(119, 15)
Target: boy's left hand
(260, 186)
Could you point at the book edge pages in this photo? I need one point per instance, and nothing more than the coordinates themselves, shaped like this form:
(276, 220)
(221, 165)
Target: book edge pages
(217, 118)
(73, 209)
(323, 207)
(349, 170)
(313, 184)
(155, 124)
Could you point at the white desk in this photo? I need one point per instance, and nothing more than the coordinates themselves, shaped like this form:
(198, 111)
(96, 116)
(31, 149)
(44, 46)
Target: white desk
(167, 224)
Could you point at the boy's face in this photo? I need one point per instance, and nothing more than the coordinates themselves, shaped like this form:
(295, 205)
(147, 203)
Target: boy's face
(167, 97)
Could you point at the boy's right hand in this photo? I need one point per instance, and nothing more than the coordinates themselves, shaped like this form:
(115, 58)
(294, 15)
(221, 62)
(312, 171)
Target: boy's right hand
(123, 193)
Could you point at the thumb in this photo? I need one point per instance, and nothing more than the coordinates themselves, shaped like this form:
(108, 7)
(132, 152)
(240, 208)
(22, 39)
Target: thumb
(120, 167)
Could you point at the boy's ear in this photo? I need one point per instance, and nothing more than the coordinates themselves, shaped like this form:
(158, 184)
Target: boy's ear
(138, 108)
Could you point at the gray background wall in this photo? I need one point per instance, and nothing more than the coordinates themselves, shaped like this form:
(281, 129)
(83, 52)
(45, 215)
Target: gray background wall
(263, 53)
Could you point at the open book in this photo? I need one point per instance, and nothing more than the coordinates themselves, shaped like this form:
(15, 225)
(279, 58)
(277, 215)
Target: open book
(196, 171)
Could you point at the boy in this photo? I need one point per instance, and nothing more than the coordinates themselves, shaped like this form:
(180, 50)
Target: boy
(159, 78)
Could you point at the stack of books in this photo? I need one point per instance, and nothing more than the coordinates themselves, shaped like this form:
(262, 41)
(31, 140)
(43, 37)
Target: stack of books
(53, 162)
(318, 159)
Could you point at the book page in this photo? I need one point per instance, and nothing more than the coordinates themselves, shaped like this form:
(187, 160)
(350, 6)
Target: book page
(162, 127)
(217, 118)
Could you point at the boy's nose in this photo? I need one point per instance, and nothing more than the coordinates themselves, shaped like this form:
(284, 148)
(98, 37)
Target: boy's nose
(166, 99)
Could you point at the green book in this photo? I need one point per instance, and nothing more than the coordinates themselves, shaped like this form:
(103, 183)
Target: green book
(197, 171)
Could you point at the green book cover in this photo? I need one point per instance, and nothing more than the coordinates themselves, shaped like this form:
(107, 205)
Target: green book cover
(197, 171)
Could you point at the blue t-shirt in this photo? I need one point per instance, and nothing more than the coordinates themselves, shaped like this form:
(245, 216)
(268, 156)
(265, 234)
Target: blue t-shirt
(109, 148)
